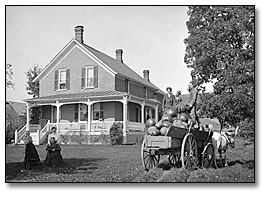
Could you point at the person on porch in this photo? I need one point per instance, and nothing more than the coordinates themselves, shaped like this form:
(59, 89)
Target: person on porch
(168, 100)
(54, 134)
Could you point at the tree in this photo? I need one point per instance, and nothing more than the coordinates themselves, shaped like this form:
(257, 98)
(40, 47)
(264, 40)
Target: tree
(33, 87)
(9, 76)
(220, 48)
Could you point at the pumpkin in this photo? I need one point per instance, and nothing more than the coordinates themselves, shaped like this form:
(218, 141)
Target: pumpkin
(166, 124)
(151, 130)
(159, 125)
(169, 112)
(177, 123)
(156, 132)
(167, 118)
(163, 130)
(184, 117)
(150, 122)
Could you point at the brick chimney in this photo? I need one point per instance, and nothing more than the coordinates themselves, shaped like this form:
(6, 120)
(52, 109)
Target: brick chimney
(79, 33)
(146, 75)
(119, 55)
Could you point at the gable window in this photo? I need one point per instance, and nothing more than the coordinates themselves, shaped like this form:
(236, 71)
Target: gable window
(62, 79)
(89, 77)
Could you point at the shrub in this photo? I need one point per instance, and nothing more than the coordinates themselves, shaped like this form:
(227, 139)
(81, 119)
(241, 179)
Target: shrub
(247, 129)
(116, 133)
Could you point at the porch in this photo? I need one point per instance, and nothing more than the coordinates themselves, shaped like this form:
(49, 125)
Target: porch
(90, 117)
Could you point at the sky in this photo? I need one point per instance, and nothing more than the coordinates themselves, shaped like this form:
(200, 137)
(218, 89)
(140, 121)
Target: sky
(150, 36)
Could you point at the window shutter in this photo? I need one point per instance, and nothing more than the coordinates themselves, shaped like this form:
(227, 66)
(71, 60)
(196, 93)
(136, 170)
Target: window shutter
(95, 76)
(56, 80)
(83, 78)
(67, 78)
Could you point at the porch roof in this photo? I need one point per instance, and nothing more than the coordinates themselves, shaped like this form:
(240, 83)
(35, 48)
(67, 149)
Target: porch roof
(84, 95)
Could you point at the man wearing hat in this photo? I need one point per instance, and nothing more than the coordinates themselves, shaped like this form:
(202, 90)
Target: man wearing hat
(192, 104)
(54, 134)
(168, 99)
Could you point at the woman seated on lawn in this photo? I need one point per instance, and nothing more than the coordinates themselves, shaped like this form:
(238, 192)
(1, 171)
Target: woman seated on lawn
(31, 155)
(54, 157)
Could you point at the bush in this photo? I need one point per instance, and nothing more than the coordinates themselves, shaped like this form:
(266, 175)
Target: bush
(116, 133)
(247, 129)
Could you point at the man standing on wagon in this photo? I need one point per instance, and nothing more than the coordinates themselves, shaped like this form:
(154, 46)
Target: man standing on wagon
(193, 96)
(168, 100)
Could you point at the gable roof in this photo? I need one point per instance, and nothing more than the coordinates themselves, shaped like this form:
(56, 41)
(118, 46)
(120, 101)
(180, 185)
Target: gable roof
(19, 107)
(120, 68)
(114, 65)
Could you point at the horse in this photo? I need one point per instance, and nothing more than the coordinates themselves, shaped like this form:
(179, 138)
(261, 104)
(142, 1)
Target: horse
(221, 141)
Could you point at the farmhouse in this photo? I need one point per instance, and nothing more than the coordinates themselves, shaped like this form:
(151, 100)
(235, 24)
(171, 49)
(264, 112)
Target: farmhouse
(83, 91)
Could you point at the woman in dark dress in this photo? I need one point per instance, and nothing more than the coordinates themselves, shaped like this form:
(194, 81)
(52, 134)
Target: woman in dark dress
(54, 157)
(31, 155)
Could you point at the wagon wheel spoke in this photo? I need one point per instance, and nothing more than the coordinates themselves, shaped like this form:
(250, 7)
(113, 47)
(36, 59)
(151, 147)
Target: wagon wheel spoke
(149, 160)
(208, 156)
(174, 159)
(189, 152)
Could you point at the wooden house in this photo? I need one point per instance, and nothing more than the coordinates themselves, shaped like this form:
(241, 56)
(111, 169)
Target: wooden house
(84, 91)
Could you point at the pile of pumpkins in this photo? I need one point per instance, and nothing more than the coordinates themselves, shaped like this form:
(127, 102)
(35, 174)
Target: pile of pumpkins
(169, 118)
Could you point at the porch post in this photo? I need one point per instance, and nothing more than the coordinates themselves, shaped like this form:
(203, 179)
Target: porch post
(57, 114)
(125, 101)
(156, 113)
(89, 103)
(27, 116)
(16, 137)
(143, 103)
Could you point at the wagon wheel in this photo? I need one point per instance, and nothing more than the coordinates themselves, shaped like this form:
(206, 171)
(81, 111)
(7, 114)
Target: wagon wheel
(174, 159)
(148, 156)
(189, 152)
(208, 156)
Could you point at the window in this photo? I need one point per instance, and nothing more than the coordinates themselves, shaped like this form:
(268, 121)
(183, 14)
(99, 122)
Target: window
(81, 112)
(126, 86)
(149, 112)
(144, 92)
(98, 111)
(61, 79)
(89, 77)
(155, 96)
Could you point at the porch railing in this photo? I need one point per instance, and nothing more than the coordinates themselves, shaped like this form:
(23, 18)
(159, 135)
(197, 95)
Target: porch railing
(20, 134)
(135, 126)
(99, 126)
(44, 132)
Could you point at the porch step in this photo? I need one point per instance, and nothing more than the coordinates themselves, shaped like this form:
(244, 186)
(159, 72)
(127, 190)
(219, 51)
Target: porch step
(33, 127)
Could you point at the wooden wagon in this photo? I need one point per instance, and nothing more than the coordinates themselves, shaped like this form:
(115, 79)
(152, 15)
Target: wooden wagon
(187, 147)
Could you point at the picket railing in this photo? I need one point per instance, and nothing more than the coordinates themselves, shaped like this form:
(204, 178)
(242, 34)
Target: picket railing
(20, 134)
(44, 132)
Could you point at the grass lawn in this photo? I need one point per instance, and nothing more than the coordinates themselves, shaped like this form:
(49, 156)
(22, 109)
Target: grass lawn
(98, 163)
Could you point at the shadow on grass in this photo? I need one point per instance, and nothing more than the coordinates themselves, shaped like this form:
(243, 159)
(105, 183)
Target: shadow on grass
(16, 172)
(245, 163)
